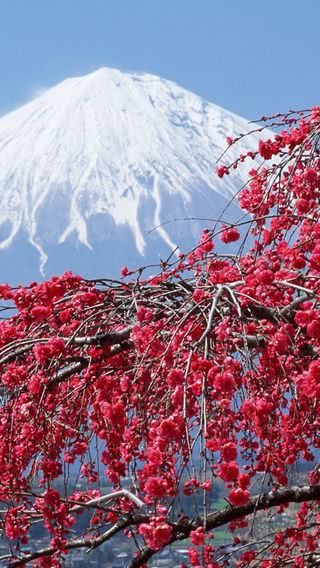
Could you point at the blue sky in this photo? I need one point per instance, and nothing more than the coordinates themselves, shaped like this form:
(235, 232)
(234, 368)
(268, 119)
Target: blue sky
(248, 56)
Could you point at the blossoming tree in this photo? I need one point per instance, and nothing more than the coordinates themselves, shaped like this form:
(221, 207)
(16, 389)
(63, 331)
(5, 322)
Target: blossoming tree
(207, 372)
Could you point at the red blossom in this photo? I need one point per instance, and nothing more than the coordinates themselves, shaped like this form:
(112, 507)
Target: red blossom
(155, 488)
(221, 171)
(228, 471)
(198, 536)
(238, 497)
(229, 451)
(230, 235)
(175, 377)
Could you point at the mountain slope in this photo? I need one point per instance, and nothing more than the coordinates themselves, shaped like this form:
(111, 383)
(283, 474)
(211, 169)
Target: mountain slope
(106, 157)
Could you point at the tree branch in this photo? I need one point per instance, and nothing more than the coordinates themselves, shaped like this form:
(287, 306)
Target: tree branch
(182, 531)
(88, 543)
(100, 339)
(78, 366)
(103, 339)
(110, 497)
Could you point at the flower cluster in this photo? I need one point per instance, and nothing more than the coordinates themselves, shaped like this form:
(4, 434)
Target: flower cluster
(201, 377)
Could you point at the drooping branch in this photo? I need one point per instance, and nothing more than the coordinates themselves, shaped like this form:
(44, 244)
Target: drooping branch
(111, 497)
(182, 529)
(99, 339)
(224, 516)
(89, 543)
(104, 339)
(79, 365)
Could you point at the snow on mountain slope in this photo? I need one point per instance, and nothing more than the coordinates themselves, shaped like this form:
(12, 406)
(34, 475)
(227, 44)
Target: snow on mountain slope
(131, 148)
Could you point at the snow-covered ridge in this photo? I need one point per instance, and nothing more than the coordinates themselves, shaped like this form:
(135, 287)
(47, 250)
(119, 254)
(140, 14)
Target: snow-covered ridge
(109, 143)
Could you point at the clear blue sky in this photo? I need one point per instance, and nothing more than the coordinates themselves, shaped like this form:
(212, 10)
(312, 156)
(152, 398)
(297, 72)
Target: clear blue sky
(252, 57)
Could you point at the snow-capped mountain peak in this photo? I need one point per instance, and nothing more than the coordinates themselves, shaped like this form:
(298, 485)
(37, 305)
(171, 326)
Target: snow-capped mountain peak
(133, 148)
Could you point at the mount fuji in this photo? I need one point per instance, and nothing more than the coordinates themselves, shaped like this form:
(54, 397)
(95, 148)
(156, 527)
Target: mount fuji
(89, 167)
